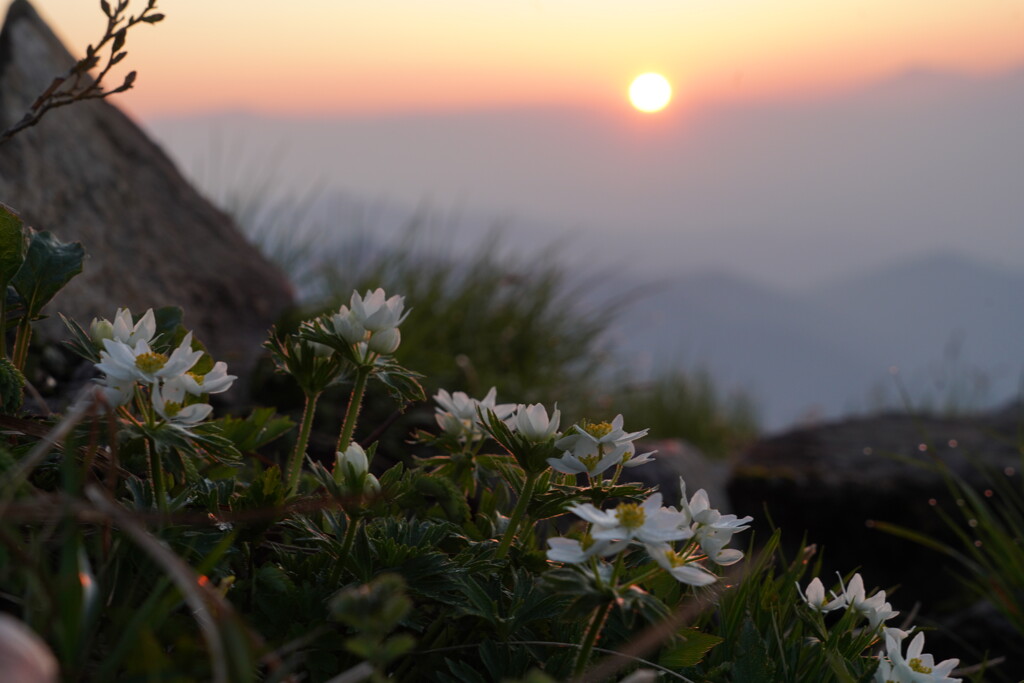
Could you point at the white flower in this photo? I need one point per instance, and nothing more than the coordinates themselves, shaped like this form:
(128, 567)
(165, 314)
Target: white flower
(915, 666)
(216, 381)
(571, 551)
(177, 414)
(124, 331)
(712, 529)
(595, 447)
(647, 522)
(592, 465)
(875, 608)
(116, 392)
(681, 570)
(533, 424)
(123, 362)
(815, 597)
(376, 312)
(347, 326)
(457, 414)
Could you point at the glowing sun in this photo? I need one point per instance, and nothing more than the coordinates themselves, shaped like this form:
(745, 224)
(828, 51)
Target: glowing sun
(650, 92)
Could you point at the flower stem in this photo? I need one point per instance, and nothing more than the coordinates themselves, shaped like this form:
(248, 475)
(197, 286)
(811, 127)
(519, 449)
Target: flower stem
(517, 514)
(350, 537)
(21, 339)
(156, 475)
(355, 402)
(593, 631)
(295, 461)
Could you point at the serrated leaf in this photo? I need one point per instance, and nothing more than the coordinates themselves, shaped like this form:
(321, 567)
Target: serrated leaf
(260, 428)
(13, 244)
(691, 651)
(273, 577)
(49, 265)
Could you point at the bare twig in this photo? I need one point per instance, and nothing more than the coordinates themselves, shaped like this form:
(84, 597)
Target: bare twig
(77, 85)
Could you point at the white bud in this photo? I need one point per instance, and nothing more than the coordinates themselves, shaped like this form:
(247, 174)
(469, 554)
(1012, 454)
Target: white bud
(385, 342)
(100, 329)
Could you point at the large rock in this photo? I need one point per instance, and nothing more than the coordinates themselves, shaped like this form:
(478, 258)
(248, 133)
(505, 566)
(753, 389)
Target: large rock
(87, 173)
(834, 482)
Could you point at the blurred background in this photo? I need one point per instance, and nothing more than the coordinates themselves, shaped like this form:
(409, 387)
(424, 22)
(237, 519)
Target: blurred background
(827, 211)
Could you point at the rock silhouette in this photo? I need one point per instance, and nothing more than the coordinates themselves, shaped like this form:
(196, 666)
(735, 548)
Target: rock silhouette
(88, 173)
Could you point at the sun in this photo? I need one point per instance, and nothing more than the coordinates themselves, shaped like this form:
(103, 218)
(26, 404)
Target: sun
(650, 92)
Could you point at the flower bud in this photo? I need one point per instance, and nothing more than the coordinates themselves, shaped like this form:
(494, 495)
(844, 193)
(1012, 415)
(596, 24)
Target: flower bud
(352, 462)
(100, 329)
(24, 657)
(385, 342)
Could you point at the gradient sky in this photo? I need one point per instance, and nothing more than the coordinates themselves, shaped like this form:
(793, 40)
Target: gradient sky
(333, 57)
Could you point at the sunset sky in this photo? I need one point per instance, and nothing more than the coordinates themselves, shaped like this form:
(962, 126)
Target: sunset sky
(331, 57)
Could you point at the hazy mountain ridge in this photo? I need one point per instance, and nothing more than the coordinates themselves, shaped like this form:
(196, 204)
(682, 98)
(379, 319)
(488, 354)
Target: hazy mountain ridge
(949, 323)
(865, 224)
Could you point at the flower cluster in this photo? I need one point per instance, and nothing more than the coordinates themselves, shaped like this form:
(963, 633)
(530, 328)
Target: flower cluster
(129, 362)
(369, 324)
(592, 448)
(459, 415)
(657, 528)
(875, 608)
(894, 666)
(913, 667)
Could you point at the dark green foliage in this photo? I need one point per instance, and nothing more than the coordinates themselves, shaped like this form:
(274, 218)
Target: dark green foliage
(49, 265)
(12, 383)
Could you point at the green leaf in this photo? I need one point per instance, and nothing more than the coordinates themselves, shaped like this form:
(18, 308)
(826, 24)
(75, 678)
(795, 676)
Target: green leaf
(691, 651)
(49, 265)
(13, 244)
(255, 431)
(755, 666)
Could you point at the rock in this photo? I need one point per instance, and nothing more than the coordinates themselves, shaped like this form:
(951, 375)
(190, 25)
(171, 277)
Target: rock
(87, 173)
(677, 459)
(834, 482)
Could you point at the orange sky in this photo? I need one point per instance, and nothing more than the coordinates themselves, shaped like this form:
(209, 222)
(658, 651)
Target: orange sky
(327, 56)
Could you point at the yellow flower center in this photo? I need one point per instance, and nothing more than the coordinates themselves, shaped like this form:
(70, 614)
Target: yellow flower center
(597, 430)
(150, 362)
(172, 408)
(590, 461)
(630, 515)
(586, 541)
(198, 378)
(673, 558)
(917, 666)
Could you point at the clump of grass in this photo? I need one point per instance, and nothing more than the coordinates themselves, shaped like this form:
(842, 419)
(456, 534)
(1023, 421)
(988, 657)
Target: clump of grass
(688, 406)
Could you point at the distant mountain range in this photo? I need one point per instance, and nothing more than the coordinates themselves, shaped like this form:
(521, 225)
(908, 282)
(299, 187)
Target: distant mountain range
(951, 328)
(866, 224)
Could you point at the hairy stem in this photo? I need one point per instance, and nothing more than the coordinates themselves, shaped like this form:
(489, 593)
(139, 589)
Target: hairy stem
(299, 453)
(354, 404)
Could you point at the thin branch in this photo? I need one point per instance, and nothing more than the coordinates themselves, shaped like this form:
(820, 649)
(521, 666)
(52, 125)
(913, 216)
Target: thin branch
(77, 85)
